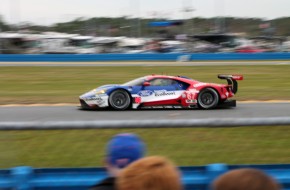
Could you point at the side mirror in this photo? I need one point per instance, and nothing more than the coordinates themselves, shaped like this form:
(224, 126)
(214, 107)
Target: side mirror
(146, 84)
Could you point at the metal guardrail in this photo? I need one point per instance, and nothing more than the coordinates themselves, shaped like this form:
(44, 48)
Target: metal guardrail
(212, 122)
(143, 57)
(193, 177)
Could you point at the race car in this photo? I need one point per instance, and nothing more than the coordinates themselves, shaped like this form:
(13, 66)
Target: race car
(162, 91)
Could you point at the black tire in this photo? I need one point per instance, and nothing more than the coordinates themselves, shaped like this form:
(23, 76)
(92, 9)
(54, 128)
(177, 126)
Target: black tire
(208, 98)
(119, 100)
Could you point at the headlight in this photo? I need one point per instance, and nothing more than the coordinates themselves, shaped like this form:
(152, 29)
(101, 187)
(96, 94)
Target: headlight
(101, 91)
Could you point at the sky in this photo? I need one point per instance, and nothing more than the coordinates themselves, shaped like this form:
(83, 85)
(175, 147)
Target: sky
(47, 12)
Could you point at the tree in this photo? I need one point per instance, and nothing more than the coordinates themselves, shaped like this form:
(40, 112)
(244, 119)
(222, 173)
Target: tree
(3, 25)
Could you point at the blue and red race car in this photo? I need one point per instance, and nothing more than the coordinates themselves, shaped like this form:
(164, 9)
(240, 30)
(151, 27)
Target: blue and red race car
(162, 91)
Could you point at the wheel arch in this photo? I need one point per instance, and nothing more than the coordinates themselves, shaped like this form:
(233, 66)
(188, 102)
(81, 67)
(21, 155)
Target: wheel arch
(119, 88)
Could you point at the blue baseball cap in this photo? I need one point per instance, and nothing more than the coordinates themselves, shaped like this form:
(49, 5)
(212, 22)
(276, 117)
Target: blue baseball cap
(125, 148)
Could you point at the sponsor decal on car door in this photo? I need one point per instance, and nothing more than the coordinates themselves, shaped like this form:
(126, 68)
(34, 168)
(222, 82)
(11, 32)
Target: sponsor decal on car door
(154, 94)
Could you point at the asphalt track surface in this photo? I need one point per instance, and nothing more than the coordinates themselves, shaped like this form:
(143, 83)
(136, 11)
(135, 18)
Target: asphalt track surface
(145, 64)
(72, 113)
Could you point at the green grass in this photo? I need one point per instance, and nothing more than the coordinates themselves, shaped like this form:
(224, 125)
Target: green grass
(185, 146)
(64, 84)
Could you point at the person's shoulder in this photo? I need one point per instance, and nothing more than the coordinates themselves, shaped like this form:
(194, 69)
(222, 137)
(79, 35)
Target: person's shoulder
(106, 184)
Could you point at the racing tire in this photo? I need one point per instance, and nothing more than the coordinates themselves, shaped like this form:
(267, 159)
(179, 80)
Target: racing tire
(119, 100)
(208, 98)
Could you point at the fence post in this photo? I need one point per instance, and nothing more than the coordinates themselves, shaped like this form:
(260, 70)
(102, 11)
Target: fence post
(21, 177)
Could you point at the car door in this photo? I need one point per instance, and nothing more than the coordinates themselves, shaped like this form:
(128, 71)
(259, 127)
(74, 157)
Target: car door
(160, 92)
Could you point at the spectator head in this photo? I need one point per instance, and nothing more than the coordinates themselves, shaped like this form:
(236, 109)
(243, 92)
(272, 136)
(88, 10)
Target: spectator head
(154, 173)
(245, 179)
(124, 149)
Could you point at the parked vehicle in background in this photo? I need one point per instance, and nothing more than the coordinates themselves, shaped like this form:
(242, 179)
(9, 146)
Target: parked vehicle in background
(286, 46)
(105, 44)
(61, 43)
(225, 40)
(210, 43)
(17, 43)
(201, 46)
(82, 44)
(269, 43)
(131, 45)
(249, 49)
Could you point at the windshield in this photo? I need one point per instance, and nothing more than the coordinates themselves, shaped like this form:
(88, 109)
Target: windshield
(135, 82)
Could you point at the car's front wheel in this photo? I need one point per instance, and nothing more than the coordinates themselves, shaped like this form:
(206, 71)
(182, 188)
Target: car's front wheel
(208, 98)
(119, 100)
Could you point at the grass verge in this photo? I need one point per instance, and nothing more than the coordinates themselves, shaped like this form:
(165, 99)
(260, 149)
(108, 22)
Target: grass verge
(27, 85)
(186, 146)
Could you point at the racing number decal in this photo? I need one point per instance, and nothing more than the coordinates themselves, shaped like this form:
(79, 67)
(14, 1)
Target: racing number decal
(190, 95)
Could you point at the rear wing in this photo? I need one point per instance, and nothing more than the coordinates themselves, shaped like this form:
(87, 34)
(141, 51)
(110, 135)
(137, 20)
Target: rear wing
(232, 81)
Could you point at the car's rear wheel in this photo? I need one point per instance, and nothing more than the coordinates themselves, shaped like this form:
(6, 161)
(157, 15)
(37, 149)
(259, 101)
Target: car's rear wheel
(208, 98)
(119, 100)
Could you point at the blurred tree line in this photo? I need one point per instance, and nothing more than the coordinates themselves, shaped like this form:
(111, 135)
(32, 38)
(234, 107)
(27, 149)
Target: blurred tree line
(134, 27)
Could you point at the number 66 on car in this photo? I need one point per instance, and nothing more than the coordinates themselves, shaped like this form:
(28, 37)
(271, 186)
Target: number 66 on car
(163, 91)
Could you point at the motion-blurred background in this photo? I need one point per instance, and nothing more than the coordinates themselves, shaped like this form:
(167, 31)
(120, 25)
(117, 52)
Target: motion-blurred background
(127, 26)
